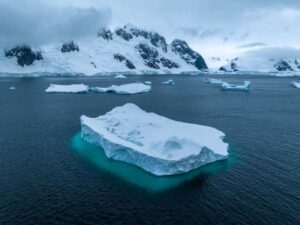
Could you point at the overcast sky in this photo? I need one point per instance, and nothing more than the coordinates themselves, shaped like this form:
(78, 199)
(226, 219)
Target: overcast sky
(214, 27)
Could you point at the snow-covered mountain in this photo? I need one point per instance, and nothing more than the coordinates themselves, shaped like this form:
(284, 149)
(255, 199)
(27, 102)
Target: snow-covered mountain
(127, 49)
(282, 61)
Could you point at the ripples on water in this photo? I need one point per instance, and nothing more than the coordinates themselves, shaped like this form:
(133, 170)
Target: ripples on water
(43, 181)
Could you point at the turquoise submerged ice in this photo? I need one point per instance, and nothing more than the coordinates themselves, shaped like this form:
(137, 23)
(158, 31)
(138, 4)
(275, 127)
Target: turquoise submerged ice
(154, 143)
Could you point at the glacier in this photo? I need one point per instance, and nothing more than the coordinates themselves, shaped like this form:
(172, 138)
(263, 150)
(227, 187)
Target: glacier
(231, 87)
(152, 142)
(71, 88)
(131, 88)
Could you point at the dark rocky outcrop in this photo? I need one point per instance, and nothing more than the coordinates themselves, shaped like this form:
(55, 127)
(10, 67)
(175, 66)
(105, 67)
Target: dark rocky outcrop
(122, 58)
(283, 66)
(156, 39)
(105, 34)
(124, 34)
(232, 67)
(24, 54)
(149, 55)
(168, 63)
(69, 47)
(190, 56)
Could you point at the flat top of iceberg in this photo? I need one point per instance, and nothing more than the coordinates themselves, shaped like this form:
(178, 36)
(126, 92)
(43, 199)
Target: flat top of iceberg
(132, 88)
(71, 88)
(212, 81)
(155, 135)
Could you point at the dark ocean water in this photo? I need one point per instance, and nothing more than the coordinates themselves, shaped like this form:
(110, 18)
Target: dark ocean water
(45, 180)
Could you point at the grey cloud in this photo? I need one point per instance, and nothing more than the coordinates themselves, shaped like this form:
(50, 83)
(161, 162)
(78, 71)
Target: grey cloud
(252, 45)
(35, 22)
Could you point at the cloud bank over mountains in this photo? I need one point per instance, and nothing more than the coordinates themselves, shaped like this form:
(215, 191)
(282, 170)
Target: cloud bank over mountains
(37, 22)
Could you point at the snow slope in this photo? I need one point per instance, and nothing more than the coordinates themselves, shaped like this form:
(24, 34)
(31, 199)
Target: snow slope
(157, 144)
(128, 50)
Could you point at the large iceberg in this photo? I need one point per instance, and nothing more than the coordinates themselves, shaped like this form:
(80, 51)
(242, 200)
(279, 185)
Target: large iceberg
(296, 84)
(232, 87)
(133, 88)
(71, 88)
(154, 143)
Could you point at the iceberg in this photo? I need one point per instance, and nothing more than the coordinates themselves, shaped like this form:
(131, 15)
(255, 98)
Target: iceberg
(148, 82)
(170, 82)
(72, 88)
(296, 84)
(232, 87)
(132, 88)
(212, 81)
(152, 142)
(120, 76)
(12, 88)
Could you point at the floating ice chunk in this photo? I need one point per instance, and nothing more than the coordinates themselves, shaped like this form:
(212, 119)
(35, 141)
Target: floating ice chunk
(170, 82)
(12, 88)
(232, 87)
(212, 81)
(120, 76)
(148, 82)
(71, 88)
(133, 88)
(296, 84)
(154, 143)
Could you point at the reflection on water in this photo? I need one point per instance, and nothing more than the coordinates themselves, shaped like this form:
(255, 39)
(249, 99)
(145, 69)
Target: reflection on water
(135, 175)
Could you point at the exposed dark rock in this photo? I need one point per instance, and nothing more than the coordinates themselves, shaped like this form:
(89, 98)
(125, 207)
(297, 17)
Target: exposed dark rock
(94, 65)
(122, 58)
(156, 39)
(234, 67)
(150, 56)
(124, 34)
(69, 47)
(168, 63)
(105, 34)
(192, 57)
(222, 68)
(24, 54)
(283, 66)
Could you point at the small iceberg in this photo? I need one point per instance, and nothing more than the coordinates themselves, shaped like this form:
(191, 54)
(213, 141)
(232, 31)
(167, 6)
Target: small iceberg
(154, 143)
(72, 88)
(12, 88)
(169, 82)
(120, 76)
(212, 81)
(148, 82)
(296, 84)
(127, 89)
(232, 87)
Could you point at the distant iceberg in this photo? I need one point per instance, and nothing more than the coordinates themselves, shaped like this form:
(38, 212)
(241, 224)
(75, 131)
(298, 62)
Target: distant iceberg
(132, 88)
(232, 87)
(120, 76)
(72, 88)
(154, 143)
(12, 88)
(170, 82)
(148, 82)
(212, 81)
(296, 84)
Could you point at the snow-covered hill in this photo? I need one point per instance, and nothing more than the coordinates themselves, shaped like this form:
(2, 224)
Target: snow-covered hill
(280, 61)
(128, 49)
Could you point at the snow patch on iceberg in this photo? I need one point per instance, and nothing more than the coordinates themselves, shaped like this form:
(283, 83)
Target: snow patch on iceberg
(71, 88)
(154, 143)
(120, 76)
(132, 88)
